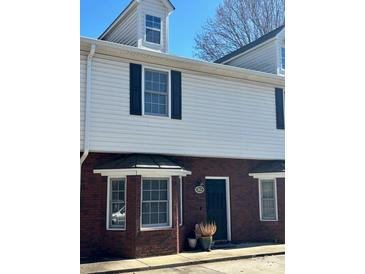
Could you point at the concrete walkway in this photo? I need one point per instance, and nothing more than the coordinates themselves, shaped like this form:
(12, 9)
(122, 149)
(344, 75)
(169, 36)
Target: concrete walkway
(182, 259)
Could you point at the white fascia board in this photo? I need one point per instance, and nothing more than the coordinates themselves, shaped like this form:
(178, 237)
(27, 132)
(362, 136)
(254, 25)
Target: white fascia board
(157, 58)
(269, 175)
(142, 172)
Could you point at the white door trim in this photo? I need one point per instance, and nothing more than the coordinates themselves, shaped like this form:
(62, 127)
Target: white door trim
(228, 202)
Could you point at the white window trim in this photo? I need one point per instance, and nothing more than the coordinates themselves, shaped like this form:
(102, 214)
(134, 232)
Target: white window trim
(228, 203)
(168, 91)
(169, 190)
(108, 203)
(276, 201)
(281, 58)
(145, 30)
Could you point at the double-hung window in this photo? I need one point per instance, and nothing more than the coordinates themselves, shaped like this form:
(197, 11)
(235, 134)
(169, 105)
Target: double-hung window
(156, 92)
(268, 207)
(283, 58)
(153, 29)
(155, 203)
(116, 204)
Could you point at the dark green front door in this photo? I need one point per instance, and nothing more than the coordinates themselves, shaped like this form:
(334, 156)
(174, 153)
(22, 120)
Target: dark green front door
(216, 206)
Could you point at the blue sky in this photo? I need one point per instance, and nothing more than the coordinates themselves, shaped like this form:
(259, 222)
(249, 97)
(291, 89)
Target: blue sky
(185, 21)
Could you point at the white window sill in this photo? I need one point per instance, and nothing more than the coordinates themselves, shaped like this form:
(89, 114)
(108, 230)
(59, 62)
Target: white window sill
(116, 229)
(156, 228)
(269, 220)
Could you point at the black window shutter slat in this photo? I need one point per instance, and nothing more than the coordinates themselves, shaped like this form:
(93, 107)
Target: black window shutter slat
(135, 89)
(279, 102)
(176, 92)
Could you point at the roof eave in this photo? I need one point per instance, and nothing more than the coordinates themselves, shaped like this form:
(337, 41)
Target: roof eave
(134, 53)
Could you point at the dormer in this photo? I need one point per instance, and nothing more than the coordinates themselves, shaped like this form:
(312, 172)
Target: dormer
(143, 24)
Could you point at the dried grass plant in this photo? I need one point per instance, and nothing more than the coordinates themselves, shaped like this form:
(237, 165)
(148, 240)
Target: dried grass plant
(206, 229)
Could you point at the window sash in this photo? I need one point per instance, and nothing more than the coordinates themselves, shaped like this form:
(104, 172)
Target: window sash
(161, 107)
(151, 208)
(120, 203)
(153, 24)
(282, 58)
(268, 212)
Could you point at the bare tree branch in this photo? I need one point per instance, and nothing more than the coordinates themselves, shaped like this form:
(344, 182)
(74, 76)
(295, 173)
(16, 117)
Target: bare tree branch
(237, 23)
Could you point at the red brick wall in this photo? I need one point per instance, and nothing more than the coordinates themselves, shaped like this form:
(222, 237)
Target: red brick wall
(96, 241)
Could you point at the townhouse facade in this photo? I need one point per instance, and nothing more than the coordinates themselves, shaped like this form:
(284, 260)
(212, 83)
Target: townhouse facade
(167, 142)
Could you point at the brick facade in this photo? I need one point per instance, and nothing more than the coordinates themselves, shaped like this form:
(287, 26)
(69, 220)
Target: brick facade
(96, 241)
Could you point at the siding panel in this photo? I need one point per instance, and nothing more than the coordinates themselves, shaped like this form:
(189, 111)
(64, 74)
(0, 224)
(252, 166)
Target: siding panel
(222, 118)
(262, 58)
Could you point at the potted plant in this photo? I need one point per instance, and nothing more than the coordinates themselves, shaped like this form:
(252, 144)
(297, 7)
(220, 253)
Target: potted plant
(192, 239)
(206, 230)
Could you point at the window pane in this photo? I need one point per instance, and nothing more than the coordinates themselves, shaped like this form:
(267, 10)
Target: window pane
(145, 208)
(146, 185)
(153, 36)
(154, 218)
(121, 196)
(163, 195)
(155, 185)
(154, 195)
(162, 207)
(154, 207)
(114, 185)
(162, 218)
(267, 189)
(145, 219)
(163, 184)
(146, 196)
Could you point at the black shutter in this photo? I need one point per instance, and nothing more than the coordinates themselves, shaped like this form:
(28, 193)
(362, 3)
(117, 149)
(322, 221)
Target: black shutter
(176, 100)
(135, 89)
(279, 101)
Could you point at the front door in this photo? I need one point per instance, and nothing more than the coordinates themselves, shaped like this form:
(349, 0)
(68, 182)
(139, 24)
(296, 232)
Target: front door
(216, 206)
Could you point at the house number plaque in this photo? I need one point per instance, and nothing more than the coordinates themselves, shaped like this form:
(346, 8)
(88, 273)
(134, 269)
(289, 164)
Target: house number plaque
(199, 189)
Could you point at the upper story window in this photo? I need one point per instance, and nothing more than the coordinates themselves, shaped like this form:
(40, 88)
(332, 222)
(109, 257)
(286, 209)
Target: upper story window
(268, 203)
(156, 92)
(153, 29)
(116, 204)
(283, 58)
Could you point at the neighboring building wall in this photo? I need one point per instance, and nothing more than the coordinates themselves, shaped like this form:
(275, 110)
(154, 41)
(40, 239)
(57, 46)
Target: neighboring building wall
(262, 58)
(96, 241)
(220, 117)
(126, 31)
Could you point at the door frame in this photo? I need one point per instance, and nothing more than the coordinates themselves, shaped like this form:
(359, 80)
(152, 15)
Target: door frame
(228, 202)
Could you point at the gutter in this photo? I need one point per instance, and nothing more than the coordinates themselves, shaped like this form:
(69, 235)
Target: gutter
(87, 104)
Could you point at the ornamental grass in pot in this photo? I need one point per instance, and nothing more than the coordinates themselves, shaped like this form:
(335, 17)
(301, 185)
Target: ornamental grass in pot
(206, 231)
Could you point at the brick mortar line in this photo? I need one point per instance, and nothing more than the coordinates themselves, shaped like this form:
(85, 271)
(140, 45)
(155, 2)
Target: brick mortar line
(232, 258)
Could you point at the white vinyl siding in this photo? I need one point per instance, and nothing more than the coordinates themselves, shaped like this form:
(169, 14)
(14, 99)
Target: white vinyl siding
(126, 31)
(261, 58)
(220, 117)
(268, 203)
(83, 61)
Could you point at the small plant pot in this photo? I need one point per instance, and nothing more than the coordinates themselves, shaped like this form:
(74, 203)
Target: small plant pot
(206, 243)
(192, 243)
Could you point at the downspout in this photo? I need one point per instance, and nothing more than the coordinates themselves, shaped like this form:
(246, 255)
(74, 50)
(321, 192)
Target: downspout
(87, 104)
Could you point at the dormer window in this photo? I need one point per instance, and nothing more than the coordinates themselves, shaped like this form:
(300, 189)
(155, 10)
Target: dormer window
(153, 29)
(283, 58)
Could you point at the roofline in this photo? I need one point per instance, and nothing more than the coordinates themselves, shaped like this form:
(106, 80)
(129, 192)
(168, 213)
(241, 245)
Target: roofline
(182, 63)
(119, 17)
(131, 5)
(250, 46)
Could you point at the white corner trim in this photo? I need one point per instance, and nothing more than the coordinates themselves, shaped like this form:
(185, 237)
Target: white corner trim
(228, 203)
(269, 175)
(144, 172)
